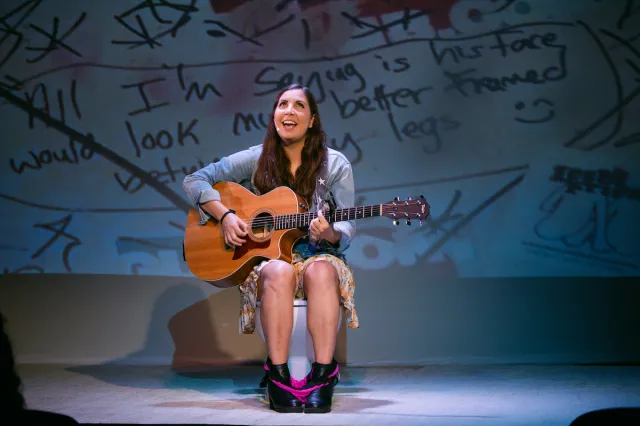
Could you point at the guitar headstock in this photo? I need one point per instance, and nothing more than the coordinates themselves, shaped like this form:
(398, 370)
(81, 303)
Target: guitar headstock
(413, 208)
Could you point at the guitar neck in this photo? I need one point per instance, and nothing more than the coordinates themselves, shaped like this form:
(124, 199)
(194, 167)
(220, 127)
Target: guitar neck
(298, 220)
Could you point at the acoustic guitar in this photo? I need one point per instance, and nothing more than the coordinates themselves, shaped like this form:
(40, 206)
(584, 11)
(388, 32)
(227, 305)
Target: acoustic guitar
(276, 220)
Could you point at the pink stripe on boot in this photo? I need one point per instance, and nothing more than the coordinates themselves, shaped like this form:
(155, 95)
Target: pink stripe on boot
(297, 390)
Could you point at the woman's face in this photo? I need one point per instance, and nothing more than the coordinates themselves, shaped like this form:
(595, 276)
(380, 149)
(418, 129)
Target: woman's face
(292, 116)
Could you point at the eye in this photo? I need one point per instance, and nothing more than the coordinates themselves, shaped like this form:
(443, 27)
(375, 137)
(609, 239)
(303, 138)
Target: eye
(300, 104)
(282, 103)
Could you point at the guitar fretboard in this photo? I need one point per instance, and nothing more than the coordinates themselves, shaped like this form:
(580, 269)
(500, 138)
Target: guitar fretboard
(298, 220)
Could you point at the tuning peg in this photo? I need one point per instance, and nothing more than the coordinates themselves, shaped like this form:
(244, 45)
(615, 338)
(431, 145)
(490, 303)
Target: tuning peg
(420, 223)
(396, 198)
(409, 198)
(409, 222)
(395, 221)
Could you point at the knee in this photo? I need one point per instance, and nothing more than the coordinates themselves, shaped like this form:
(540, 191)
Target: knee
(321, 274)
(277, 275)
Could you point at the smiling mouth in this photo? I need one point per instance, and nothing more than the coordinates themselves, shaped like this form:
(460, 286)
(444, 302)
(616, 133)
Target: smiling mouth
(541, 120)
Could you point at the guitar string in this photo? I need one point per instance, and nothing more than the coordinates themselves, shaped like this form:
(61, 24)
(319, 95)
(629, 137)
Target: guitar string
(314, 215)
(280, 219)
(283, 218)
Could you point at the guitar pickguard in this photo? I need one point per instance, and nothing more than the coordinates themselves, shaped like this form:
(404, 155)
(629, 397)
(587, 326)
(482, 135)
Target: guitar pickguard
(248, 246)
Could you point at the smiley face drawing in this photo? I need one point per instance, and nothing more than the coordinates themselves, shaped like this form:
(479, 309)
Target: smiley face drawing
(550, 113)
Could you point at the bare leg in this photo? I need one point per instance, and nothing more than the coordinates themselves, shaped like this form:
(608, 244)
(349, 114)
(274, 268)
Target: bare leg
(275, 290)
(321, 289)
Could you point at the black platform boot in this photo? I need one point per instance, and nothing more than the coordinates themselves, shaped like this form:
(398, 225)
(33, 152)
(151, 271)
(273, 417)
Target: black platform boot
(279, 391)
(322, 379)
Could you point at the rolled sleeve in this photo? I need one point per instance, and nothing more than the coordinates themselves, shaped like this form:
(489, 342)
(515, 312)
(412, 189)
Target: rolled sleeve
(205, 196)
(344, 194)
(198, 186)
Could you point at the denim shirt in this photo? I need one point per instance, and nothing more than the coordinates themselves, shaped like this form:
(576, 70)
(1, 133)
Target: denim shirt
(240, 168)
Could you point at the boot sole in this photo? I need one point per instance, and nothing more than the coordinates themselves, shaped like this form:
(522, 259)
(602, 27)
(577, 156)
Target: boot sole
(289, 410)
(285, 410)
(317, 410)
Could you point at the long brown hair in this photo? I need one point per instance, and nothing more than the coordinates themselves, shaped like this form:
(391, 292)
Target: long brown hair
(274, 167)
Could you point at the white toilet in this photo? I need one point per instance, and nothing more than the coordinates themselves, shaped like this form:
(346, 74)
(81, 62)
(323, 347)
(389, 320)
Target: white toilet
(301, 353)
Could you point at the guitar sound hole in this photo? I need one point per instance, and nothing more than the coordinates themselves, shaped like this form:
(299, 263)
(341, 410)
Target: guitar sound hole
(262, 225)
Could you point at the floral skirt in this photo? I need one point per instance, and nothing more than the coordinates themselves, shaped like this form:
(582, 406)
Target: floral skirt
(249, 289)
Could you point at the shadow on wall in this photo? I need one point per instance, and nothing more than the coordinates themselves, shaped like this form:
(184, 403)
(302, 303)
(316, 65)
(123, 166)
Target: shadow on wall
(191, 338)
(218, 340)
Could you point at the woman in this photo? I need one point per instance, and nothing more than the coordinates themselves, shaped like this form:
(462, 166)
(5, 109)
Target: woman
(293, 154)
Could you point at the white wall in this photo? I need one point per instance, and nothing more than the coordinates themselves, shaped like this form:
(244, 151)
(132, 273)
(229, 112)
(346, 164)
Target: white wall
(88, 320)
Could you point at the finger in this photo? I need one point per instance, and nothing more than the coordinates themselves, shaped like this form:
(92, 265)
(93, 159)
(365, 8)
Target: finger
(240, 230)
(321, 218)
(230, 238)
(238, 239)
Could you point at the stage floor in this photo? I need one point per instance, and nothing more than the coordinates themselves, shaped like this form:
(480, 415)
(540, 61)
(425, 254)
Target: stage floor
(434, 395)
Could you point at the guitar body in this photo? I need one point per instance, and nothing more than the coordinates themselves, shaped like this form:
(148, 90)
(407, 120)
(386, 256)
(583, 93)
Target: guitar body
(210, 259)
(208, 256)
